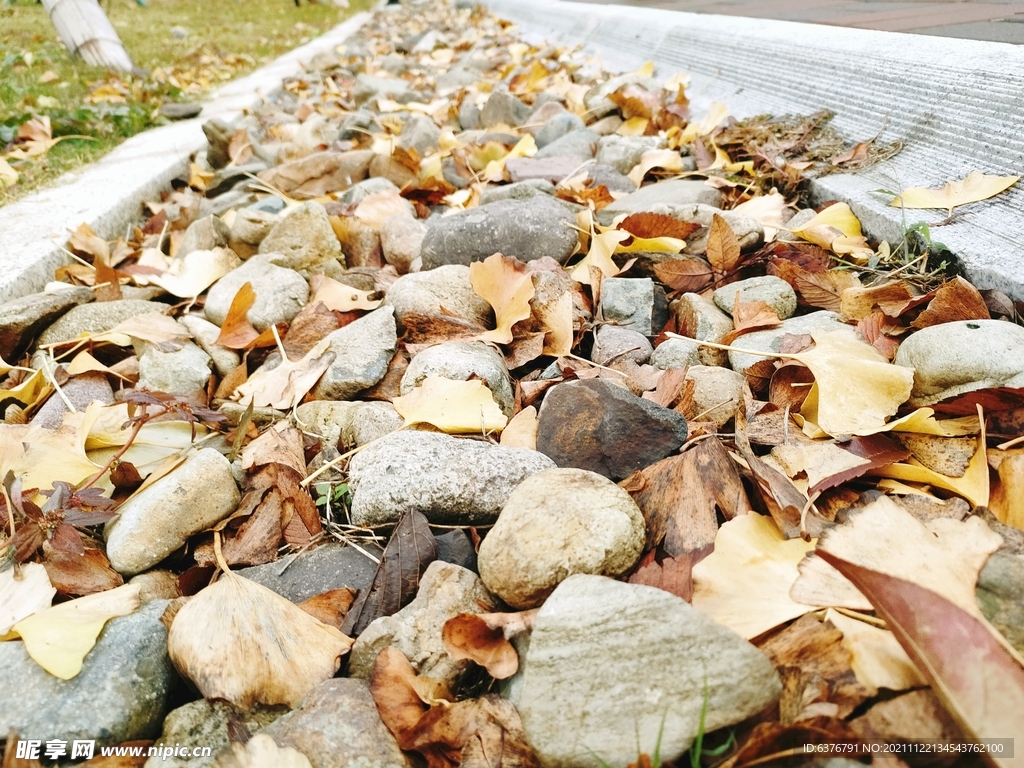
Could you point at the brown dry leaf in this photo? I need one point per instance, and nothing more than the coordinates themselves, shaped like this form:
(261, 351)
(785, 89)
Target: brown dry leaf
(857, 302)
(878, 659)
(671, 388)
(237, 332)
(505, 283)
(824, 289)
(858, 153)
(330, 607)
(23, 591)
(307, 329)
(685, 275)
(955, 300)
(484, 639)
(577, 191)
(855, 388)
(521, 431)
(478, 733)
(284, 386)
(649, 225)
(455, 407)
(768, 740)
(873, 328)
(671, 574)
(84, 241)
(393, 687)
(411, 549)
(340, 297)
(59, 638)
(744, 584)
(723, 248)
(239, 641)
(81, 574)
(819, 461)
(750, 316)
(950, 456)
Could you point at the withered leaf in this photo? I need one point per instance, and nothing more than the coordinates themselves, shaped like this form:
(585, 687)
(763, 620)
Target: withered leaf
(672, 574)
(330, 607)
(686, 275)
(80, 574)
(484, 639)
(956, 300)
(411, 549)
(648, 225)
(237, 332)
(723, 247)
(750, 316)
(825, 289)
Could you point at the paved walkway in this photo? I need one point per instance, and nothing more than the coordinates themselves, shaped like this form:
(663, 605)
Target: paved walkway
(996, 20)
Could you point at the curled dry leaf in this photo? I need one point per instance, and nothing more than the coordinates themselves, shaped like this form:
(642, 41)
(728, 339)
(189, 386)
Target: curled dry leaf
(237, 332)
(667, 159)
(505, 283)
(456, 407)
(766, 209)
(877, 658)
(955, 300)
(285, 385)
(340, 297)
(239, 641)
(195, 272)
(484, 639)
(166, 333)
(837, 229)
(59, 638)
(23, 591)
(744, 584)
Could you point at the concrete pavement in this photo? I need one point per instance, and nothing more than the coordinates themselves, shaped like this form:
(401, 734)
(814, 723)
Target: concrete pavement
(994, 20)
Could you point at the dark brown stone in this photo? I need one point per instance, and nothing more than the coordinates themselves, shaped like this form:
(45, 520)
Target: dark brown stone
(597, 425)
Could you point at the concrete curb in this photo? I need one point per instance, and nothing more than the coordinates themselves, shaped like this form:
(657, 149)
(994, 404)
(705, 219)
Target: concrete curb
(107, 194)
(956, 105)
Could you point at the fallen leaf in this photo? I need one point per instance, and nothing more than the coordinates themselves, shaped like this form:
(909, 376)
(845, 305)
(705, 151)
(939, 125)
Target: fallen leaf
(378, 206)
(824, 289)
(1007, 501)
(858, 153)
(521, 430)
(81, 574)
(338, 296)
(505, 283)
(857, 302)
(766, 209)
(166, 333)
(855, 388)
(955, 300)
(455, 407)
(8, 176)
(684, 275)
(330, 607)
(723, 251)
(484, 639)
(671, 574)
(411, 549)
(770, 739)
(285, 385)
(59, 638)
(667, 159)
(23, 591)
(599, 256)
(819, 461)
(239, 641)
(749, 316)
(976, 677)
(838, 229)
(237, 332)
(974, 187)
(878, 660)
(652, 225)
(744, 584)
(195, 272)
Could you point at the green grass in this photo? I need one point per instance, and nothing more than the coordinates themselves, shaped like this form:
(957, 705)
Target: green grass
(226, 39)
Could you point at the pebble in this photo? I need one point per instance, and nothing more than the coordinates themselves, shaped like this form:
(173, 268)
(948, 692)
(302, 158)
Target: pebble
(249, 229)
(594, 636)
(676, 353)
(459, 360)
(637, 303)
(1000, 595)
(373, 86)
(419, 134)
(613, 343)
(181, 372)
(312, 176)
(716, 393)
(623, 153)
(363, 349)
(401, 240)
(770, 340)
(698, 318)
(359, 192)
(314, 571)
(447, 286)
(558, 125)
(526, 229)
(749, 232)
(773, 291)
(557, 523)
(159, 519)
(520, 190)
(580, 144)
(338, 726)
(96, 318)
(602, 427)
(280, 293)
(204, 234)
(449, 479)
(502, 108)
(120, 695)
(445, 591)
(963, 356)
(204, 723)
(83, 389)
(353, 423)
(205, 334)
(676, 192)
(302, 239)
(552, 170)
(22, 319)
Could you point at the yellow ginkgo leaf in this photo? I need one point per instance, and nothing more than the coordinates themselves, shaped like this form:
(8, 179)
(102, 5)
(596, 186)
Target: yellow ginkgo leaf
(717, 114)
(196, 271)
(649, 244)
(20, 597)
(877, 658)
(602, 246)
(340, 297)
(744, 584)
(635, 126)
(668, 159)
(976, 186)
(923, 422)
(59, 638)
(837, 229)
(8, 176)
(495, 170)
(506, 285)
(767, 209)
(83, 362)
(456, 407)
(521, 431)
(855, 388)
(647, 70)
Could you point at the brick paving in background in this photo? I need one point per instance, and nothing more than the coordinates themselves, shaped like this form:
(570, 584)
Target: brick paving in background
(995, 20)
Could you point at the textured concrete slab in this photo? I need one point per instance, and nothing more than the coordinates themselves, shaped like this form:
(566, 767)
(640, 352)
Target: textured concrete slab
(108, 194)
(957, 109)
(1000, 31)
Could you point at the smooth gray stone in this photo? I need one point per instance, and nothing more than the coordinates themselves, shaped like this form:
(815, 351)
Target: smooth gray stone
(363, 350)
(674, 192)
(22, 319)
(315, 571)
(96, 318)
(120, 695)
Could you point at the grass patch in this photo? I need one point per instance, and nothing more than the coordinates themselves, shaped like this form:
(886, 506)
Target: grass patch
(225, 39)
